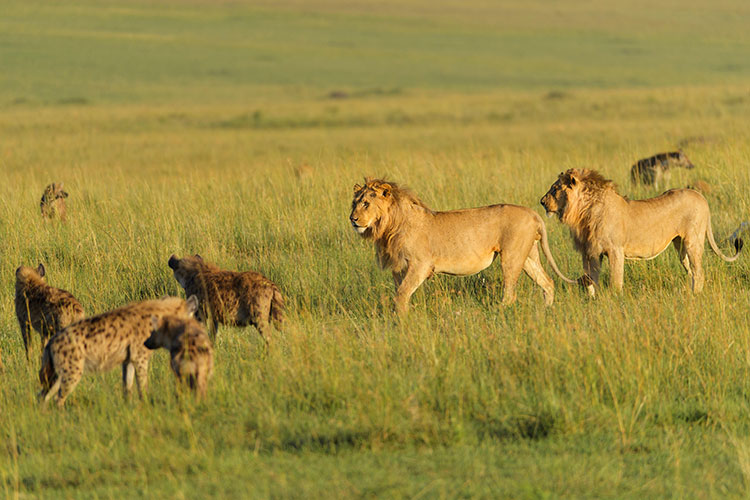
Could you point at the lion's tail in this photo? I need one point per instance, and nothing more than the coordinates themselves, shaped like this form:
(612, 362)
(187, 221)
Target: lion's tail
(548, 253)
(738, 244)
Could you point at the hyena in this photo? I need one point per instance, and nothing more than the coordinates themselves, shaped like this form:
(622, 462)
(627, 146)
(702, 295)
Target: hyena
(44, 308)
(53, 201)
(188, 346)
(654, 170)
(100, 343)
(229, 297)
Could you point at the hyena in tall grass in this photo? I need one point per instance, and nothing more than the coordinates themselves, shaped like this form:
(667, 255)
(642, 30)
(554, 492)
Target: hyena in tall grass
(654, 170)
(192, 356)
(229, 297)
(44, 308)
(53, 202)
(100, 343)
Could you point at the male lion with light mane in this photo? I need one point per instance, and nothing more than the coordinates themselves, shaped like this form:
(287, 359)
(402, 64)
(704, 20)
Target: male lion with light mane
(602, 222)
(416, 242)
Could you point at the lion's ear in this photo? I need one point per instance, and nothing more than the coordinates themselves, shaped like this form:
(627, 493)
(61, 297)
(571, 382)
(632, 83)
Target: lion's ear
(386, 192)
(572, 177)
(357, 187)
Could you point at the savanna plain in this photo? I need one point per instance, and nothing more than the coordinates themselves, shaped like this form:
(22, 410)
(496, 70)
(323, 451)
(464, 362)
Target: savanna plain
(237, 131)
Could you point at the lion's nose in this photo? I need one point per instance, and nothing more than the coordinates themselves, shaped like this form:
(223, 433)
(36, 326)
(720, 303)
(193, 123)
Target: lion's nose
(353, 218)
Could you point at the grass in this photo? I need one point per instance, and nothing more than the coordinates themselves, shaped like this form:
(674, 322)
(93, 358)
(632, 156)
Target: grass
(179, 128)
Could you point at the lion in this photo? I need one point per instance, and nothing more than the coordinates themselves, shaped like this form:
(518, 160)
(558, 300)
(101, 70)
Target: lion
(415, 242)
(602, 222)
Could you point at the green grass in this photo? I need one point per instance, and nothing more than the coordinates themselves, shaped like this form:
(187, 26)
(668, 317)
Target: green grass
(179, 128)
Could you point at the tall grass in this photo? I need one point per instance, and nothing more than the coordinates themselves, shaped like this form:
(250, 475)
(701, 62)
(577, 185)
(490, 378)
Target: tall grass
(637, 374)
(637, 394)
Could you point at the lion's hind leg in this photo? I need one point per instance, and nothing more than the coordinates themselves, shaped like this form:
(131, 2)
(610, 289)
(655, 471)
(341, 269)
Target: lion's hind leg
(535, 270)
(694, 253)
(679, 247)
(512, 265)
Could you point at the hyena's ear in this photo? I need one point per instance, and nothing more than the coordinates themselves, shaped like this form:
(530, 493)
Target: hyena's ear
(40, 270)
(192, 304)
(197, 256)
(173, 261)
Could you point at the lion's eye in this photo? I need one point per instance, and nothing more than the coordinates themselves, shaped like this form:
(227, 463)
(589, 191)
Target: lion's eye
(365, 204)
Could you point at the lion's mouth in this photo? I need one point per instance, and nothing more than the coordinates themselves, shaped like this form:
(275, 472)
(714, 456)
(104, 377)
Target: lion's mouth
(550, 214)
(359, 229)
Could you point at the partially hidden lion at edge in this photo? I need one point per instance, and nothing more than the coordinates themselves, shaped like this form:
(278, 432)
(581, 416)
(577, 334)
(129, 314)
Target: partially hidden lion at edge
(602, 222)
(415, 242)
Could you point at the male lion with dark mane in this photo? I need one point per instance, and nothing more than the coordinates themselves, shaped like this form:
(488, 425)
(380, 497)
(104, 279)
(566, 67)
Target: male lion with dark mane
(415, 242)
(602, 222)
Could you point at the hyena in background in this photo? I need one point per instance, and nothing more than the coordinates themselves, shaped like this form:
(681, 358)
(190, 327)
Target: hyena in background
(100, 343)
(53, 201)
(229, 297)
(654, 170)
(44, 308)
(192, 357)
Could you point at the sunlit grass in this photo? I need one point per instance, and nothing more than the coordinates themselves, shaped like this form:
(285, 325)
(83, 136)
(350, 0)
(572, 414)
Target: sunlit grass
(631, 395)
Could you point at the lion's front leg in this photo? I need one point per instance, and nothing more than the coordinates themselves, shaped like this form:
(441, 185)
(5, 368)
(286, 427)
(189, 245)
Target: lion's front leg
(398, 278)
(617, 267)
(410, 280)
(591, 268)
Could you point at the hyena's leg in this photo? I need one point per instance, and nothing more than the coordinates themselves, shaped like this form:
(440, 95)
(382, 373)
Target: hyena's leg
(69, 369)
(140, 362)
(67, 382)
(261, 315)
(47, 394)
(264, 328)
(128, 375)
(25, 334)
(201, 382)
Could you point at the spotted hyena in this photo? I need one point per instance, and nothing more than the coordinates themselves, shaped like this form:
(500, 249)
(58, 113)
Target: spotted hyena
(189, 347)
(44, 308)
(53, 201)
(654, 170)
(229, 297)
(100, 343)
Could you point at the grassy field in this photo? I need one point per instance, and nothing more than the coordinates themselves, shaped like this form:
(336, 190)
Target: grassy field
(182, 127)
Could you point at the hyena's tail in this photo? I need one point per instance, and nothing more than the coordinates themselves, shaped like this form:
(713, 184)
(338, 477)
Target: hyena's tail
(47, 374)
(277, 307)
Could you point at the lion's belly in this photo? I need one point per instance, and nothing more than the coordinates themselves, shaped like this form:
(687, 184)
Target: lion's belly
(646, 252)
(467, 266)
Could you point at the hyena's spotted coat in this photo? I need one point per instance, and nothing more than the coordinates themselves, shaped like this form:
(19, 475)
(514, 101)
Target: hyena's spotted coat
(192, 357)
(654, 170)
(44, 308)
(229, 297)
(102, 342)
(53, 201)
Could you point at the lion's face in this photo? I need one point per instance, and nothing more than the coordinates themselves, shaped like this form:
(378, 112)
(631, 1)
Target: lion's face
(370, 202)
(557, 199)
